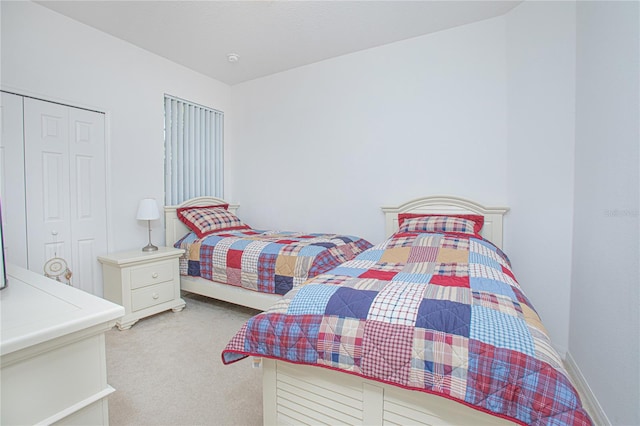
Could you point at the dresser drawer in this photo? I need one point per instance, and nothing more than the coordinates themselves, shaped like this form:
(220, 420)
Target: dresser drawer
(152, 295)
(152, 274)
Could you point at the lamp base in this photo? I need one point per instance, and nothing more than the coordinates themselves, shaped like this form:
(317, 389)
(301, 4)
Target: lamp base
(149, 247)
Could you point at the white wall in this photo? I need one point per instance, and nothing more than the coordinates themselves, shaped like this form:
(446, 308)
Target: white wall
(47, 55)
(322, 147)
(605, 324)
(541, 111)
(425, 116)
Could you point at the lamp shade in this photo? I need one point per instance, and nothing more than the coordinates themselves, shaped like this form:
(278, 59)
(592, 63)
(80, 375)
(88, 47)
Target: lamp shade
(148, 209)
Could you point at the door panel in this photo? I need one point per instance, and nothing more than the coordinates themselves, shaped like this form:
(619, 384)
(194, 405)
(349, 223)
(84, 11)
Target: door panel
(46, 145)
(88, 205)
(53, 181)
(12, 191)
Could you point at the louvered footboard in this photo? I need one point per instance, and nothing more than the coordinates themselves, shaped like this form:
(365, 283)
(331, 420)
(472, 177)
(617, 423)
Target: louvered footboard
(297, 394)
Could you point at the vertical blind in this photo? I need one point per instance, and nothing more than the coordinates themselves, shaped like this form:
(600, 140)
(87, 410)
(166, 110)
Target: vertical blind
(193, 137)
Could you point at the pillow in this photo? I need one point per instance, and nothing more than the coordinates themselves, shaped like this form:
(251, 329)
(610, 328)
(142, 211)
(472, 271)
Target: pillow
(224, 206)
(461, 223)
(204, 220)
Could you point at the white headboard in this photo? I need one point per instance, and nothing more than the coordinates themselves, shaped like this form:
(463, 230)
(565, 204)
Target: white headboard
(492, 229)
(174, 229)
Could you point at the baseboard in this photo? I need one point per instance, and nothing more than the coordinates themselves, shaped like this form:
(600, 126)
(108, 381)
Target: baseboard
(589, 400)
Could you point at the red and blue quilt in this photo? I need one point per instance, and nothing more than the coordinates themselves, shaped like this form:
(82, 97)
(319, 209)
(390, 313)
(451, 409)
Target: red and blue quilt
(266, 261)
(440, 313)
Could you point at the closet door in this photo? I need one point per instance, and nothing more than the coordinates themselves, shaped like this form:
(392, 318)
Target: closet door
(12, 193)
(65, 187)
(88, 200)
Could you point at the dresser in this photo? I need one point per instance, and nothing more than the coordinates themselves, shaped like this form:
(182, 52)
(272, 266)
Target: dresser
(145, 283)
(52, 352)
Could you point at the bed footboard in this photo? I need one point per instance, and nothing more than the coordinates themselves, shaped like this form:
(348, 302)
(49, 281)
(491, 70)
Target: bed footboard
(299, 394)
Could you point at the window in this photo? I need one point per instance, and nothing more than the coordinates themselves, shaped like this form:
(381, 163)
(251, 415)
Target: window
(193, 136)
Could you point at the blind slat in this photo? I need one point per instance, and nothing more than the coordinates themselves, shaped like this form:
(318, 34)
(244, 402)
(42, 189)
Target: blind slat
(207, 154)
(173, 143)
(179, 169)
(168, 149)
(219, 156)
(203, 143)
(196, 150)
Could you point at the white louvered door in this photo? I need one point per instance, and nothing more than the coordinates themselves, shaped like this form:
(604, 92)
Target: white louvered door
(65, 189)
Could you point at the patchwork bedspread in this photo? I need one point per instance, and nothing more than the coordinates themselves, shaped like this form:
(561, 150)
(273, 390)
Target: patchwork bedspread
(265, 261)
(439, 313)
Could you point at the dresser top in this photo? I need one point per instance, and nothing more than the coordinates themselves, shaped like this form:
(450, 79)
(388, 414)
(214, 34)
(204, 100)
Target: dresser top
(35, 309)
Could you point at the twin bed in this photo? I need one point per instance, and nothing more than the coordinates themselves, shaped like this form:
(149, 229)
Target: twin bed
(228, 260)
(428, 327)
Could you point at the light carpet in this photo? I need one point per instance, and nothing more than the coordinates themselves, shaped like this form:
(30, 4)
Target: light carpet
(167, 369)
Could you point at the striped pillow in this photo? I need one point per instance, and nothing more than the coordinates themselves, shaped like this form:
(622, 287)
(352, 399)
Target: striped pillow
(205, 220)
(464, 224)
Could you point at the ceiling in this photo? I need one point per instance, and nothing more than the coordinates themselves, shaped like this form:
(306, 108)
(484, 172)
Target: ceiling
(269, 36)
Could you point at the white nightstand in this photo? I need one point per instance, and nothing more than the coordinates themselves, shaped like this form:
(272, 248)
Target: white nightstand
(145, 283)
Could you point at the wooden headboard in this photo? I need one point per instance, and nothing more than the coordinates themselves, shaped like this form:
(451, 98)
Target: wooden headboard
(174, 229)
(493, 224)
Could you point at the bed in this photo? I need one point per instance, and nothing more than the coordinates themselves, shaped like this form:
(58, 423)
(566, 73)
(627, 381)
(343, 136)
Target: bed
(427, 327)
(228, 260)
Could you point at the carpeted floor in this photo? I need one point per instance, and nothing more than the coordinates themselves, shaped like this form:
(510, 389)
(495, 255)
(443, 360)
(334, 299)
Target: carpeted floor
(167, 369)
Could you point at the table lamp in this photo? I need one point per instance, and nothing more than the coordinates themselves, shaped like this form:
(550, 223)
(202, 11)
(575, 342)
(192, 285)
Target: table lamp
(148, 210)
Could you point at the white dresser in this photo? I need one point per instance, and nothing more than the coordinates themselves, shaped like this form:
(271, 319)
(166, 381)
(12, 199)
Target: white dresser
(52, 352)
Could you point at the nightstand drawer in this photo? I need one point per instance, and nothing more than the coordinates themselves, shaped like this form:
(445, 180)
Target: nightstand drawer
(153, 274)
(152, 295)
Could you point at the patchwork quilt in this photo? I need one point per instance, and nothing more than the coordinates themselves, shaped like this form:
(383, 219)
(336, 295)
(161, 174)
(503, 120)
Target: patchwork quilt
(440, 313)
(266, 261)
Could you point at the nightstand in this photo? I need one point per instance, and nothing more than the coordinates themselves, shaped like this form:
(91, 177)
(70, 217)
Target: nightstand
(145, 283)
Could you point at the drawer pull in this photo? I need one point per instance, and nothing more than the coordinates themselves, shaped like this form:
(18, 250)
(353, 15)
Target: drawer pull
(154, 275)
(155, 295)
